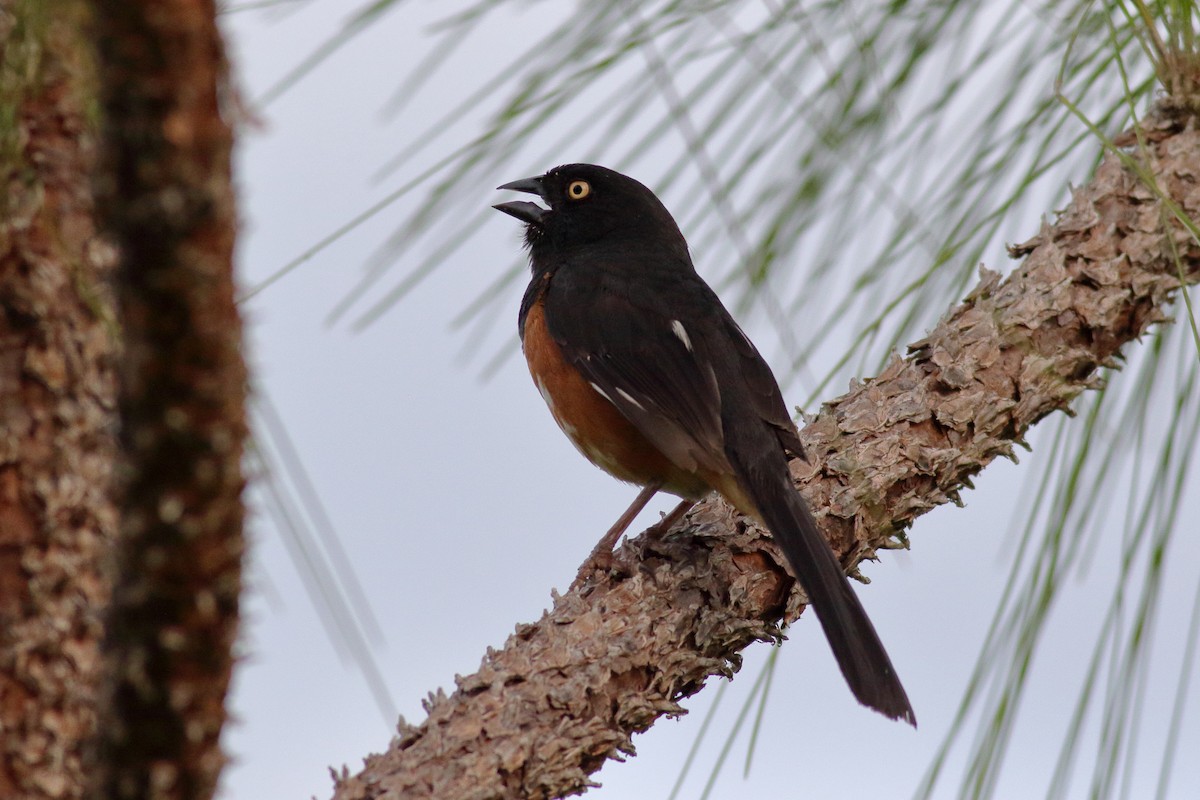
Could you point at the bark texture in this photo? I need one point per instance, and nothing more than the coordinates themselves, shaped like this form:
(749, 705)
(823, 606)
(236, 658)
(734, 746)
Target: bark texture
(612, 656)
(166, 196)
(57, 401)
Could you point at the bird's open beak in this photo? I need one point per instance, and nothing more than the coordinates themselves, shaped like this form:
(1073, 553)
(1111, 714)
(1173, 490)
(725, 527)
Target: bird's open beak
(523, 209)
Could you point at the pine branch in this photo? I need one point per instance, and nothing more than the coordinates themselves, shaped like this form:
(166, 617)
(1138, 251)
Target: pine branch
(569, 691)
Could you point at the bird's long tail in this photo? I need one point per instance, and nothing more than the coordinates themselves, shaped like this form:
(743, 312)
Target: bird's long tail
(852, 637)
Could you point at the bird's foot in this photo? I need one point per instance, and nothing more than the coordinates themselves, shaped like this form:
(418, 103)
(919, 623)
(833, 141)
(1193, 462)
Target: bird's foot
(604, 561)
(664, 525)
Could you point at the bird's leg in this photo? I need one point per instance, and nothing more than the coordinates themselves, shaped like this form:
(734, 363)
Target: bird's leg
(668, 522)
(601, 557)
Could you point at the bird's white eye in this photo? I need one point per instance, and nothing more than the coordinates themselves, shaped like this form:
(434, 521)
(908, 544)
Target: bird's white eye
(577, 190)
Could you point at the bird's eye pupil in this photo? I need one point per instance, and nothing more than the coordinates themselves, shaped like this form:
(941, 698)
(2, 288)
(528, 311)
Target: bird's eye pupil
(577, 190)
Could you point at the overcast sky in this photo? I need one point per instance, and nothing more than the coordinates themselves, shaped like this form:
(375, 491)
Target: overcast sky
(460, 505)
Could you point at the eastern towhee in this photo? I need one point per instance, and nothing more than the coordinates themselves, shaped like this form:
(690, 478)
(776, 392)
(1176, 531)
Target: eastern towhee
(650, 377)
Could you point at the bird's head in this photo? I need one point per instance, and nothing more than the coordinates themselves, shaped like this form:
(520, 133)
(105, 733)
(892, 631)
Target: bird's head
(587, 204)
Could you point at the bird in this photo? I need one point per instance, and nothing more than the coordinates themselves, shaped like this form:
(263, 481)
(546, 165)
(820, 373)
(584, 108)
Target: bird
(653, 381)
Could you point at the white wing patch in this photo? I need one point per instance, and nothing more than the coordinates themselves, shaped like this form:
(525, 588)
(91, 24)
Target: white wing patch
(601, 392)
(620, 391)
(630, 398)
(681, 332)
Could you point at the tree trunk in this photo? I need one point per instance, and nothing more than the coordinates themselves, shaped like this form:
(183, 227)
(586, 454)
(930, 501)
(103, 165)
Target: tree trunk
(167, 202)
(166, 196)
(611, 657)
(57, 401)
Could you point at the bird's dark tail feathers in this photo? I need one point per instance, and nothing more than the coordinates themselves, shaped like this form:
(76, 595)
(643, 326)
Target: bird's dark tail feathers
(851, 635)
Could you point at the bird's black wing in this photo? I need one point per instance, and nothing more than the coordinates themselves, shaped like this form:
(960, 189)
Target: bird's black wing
(643, 360)
(762, 390)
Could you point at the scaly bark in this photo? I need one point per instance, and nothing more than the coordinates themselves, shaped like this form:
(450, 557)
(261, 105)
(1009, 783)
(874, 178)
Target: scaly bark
(567, 692)
(166, 196)
(57, 401)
